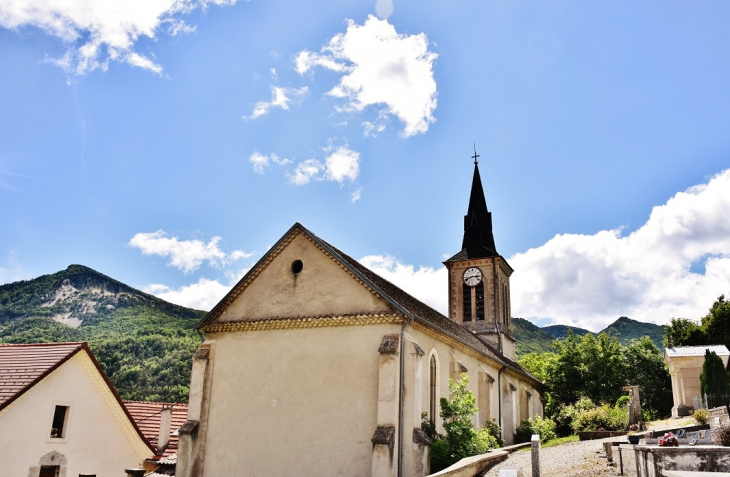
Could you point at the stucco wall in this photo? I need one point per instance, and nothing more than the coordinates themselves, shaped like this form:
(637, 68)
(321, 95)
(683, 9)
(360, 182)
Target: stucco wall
(322, 288)
(94, 443)
(294, 402)
(447, 357)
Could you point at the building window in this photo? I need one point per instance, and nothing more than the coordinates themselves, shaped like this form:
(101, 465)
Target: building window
(480, 300)
(432, 390)
(58, 427)
(467, 302)
(49, 471)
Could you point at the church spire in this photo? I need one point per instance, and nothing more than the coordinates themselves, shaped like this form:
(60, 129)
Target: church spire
(478, 237)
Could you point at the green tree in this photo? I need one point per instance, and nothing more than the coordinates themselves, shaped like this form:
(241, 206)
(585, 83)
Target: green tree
(539, 365)
(565, 379)
(603, 368)
(713, 379)
(684, 332)
(645, 368)
(716, 324)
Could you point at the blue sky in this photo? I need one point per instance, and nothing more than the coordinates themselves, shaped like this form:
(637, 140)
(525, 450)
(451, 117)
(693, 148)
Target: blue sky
(169, 144)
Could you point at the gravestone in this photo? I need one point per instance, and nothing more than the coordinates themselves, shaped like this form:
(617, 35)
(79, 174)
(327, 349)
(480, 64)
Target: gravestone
(635, 415)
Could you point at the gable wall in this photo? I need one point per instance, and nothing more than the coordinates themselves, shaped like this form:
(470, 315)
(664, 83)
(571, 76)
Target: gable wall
(322, 288)
(294, 401)
(94, 441)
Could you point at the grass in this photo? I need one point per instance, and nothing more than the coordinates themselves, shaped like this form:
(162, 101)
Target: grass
(554, 442)
(560, 440)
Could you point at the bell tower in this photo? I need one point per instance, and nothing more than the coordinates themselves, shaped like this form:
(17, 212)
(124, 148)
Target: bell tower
(479, 277)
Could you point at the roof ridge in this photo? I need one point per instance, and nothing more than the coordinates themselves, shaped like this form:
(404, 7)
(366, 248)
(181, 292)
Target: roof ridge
(23, 345)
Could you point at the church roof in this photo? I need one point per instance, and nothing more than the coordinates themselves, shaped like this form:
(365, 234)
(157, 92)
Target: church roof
(478, 239)
(398, 299)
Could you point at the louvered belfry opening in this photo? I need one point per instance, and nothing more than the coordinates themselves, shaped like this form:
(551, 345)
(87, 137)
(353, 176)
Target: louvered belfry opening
(480, 301)
(467, 302)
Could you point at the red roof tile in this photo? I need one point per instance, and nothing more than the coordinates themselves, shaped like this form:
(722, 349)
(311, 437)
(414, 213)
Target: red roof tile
(23, 365)
(147, 416)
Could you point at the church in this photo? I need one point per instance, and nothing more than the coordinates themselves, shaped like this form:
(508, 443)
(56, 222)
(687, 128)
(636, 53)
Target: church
(314, 365)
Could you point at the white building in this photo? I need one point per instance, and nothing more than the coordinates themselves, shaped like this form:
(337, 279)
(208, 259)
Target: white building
(60, 416)
(685, 367)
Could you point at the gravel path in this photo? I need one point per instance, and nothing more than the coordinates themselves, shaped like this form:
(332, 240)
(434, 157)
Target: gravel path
(574, 459)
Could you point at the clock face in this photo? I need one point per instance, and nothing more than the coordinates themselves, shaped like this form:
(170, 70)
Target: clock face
(472, 276)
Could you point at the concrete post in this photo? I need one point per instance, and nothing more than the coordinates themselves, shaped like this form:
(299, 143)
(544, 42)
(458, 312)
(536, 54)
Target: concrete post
(535, 455)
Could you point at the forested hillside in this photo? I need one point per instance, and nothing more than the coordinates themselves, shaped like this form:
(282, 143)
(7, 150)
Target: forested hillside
(144, 344)
(560, 332)
(533, 339)
(530, 338)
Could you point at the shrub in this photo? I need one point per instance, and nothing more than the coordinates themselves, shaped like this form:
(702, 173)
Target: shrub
(721, 435)
(649, 415)
(485, 441)
(428, 426)
(495, 431)
(605, 416)
(700, 416)
(544, 427)
(713, 379)
(623, 401)
(523, 433)
(440, 454)
(566, 415)
(461, 439)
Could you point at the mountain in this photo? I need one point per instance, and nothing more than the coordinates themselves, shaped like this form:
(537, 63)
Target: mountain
(144, 344)
(530, 338)
(533, 339)
(626, 329)
(560, 332)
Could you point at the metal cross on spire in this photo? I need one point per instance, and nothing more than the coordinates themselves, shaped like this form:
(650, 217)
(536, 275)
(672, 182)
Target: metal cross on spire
(475, 156)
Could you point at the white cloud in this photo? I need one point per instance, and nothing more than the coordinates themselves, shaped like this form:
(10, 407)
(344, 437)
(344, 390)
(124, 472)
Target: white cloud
(425, 283)
(202, 295)
(356, 195)
(280, 98)
(653, 274)
(143, 62)
(261, 161)
(186, 255)
(382, 68)
(341, 164)
(282, 161)
(100, 31)
(306, 171)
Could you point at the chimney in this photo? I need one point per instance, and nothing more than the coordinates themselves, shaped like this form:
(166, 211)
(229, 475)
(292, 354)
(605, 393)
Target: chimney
(165, 423)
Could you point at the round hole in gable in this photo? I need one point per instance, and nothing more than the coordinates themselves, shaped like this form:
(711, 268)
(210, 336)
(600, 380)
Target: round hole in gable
(296, 266)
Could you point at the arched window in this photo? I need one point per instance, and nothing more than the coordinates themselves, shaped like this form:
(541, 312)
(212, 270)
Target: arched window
(432, 389)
